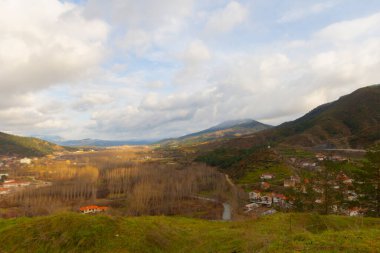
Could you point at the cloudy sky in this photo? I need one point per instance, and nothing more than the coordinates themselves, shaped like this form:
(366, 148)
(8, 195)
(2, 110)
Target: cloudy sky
(148, 69)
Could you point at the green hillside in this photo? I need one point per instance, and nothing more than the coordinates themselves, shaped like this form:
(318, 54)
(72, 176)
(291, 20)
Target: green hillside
(25, 146)
(353, 121)
(277, 233)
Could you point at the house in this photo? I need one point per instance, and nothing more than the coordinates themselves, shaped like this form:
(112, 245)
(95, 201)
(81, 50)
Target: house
(259, 199)
(14, 184)
(93, 209)
(266, 176)
(279, 199)
(308, 165)
(266, 200)
(265, 185)
(25, 160)
(352, 196)
(290, 183)
(320, 157)
(254, 195)
(344, 179)
(355, 211)
(250, 207)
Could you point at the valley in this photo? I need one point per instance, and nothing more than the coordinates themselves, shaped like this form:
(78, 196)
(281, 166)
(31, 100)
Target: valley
(220, 179)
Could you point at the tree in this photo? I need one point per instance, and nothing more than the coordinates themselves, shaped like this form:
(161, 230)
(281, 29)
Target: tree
(371, 182)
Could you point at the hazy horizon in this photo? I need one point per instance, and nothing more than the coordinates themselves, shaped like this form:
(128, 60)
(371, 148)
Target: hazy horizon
(128, 70)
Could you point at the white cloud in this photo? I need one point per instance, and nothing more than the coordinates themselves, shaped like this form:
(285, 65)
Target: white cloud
(43, 43)
(300, 13)
(163, 75)
(356, 29)
(226, 19)
(196, 52)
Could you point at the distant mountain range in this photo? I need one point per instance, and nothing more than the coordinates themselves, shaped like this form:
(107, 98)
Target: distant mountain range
(225, 130)
(94, 142)
(352, 121)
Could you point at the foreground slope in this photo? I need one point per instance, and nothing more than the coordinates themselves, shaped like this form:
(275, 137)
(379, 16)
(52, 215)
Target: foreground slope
(25, 146)
(280, 232)
(353, 121)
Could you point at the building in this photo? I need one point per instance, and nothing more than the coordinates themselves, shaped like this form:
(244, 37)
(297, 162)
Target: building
(289, 183)
(355, 211)
(254, 195)
(14, 184)
(320, 157)
(93, 209)
(265, 185)
(308, 165)
(279, 199)
(249, 207)
(345, 179)
(25, 160)
(266, 176)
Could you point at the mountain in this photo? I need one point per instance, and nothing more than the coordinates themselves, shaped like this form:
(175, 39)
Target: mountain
(103, 143)
(225, 130)
(352, 121)
(25, 146)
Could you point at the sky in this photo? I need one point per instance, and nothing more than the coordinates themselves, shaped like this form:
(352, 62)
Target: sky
(151, 69)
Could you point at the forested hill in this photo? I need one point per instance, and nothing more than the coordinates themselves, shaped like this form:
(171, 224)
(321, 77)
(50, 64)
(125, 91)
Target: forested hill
(352, 121)
(25, 146)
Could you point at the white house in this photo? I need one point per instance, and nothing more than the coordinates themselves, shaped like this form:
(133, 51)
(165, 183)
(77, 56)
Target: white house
(254, 195)
(355, 211)
(250, 207)
(14, 184)
(267, 176)
(25, 160)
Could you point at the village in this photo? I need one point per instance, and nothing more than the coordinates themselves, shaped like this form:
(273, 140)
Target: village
(272, 193)
(10, 182)
(266, 198)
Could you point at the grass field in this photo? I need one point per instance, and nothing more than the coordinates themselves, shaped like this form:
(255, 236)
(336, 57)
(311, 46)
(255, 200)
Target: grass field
(70, 232)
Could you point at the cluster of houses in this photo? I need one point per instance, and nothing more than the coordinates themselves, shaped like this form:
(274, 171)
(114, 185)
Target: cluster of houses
(264, 198)
(260, 198)
(7, 162)
(9, 185)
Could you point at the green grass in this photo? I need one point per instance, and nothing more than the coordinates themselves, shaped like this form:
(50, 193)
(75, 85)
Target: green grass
(280, 171)
(298, 153)
(70, 232)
